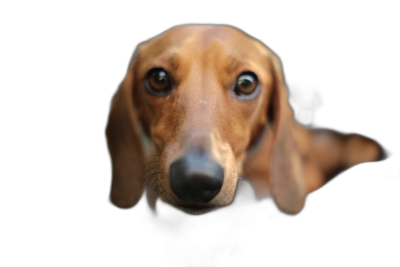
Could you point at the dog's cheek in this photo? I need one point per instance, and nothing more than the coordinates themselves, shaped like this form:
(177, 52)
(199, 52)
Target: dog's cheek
(240, 142)
(224, 154)
(168, 155)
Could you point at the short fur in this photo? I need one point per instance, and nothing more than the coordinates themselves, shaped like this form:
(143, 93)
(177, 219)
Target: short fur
(257, 139)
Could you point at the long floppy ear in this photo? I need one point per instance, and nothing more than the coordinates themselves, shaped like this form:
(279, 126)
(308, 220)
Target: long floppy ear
(287, 184)
(274, 163)
(125, 146)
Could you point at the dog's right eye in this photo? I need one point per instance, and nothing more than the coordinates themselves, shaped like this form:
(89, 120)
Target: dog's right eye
(158, 81)
(247, 86)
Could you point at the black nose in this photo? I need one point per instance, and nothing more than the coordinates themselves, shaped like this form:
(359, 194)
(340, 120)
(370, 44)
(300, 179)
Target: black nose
(196, 178)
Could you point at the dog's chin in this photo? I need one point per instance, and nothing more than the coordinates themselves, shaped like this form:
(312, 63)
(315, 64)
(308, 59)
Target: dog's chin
(187, 209)
(195, 209)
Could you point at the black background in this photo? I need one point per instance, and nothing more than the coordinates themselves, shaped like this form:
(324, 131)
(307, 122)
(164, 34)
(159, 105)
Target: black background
(345, 58)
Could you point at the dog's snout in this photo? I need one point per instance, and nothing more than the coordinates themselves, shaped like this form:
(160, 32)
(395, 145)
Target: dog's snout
(196, 178)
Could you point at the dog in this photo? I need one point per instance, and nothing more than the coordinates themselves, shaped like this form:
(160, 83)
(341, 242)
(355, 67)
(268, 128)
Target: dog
(202, 106)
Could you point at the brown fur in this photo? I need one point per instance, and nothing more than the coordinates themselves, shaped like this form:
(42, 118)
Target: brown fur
(257, 139)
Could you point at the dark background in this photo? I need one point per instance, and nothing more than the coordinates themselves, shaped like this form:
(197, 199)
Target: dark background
(342, 61)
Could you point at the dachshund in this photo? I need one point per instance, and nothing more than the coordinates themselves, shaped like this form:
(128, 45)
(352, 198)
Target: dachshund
(202, 106)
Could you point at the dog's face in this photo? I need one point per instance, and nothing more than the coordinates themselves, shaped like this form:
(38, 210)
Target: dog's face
(205, 95)
(202, 97)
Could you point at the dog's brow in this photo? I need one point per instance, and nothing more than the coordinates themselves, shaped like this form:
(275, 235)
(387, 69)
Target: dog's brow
(231, 59)
(173, 60)
(236, 60)
(233, 63)
(168, 57)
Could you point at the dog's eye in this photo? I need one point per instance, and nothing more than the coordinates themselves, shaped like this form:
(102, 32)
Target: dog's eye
(158, 81)
(246, 84)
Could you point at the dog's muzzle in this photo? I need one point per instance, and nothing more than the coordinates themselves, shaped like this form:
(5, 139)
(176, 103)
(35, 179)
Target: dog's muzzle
(196, 178)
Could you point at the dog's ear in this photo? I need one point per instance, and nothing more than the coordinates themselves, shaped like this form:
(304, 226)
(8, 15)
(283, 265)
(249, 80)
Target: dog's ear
(124, 144)
(275, 163)
(286, 181)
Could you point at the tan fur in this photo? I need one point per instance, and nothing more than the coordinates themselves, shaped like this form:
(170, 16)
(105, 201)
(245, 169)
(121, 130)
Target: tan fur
(257, 139)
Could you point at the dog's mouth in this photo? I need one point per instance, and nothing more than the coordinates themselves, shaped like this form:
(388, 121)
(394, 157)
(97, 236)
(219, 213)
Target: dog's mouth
(194, 206)
(183, 209)
(195, 209)
(244, 195)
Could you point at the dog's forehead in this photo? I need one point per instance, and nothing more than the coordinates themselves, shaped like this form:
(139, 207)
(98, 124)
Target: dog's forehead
(206, 45)
(199, 38)
(204, 34)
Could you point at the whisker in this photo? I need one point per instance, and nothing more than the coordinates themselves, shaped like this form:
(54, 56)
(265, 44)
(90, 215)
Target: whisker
(152, 168)
(166, 199)
(247, 167)
(150, 180)
(242, 175)
(151, 156)
(154, 190)
(158, 195)
(240, 172)
(147, 163)
(152, 186)
(149, 177)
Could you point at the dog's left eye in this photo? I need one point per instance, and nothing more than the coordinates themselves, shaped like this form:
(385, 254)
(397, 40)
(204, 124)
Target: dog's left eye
(158, 81)
(246, 84)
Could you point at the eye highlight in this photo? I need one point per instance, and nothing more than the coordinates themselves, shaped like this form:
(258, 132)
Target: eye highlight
(246, 84)
(158, 81)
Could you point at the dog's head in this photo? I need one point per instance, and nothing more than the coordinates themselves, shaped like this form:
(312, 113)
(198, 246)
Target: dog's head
(210, 99)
